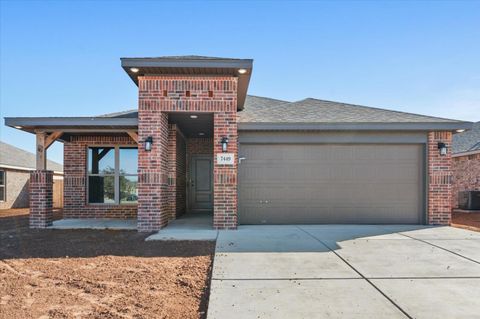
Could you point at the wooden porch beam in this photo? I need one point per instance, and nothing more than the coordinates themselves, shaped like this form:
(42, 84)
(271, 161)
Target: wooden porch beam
(133, 135)
(52, 138)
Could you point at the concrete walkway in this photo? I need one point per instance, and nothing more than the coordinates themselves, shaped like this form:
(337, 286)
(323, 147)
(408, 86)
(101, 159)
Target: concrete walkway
(195, 226)
(95, 223)
(346, 271)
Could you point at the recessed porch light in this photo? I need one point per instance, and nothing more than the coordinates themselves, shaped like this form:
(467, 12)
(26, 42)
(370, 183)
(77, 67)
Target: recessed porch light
(134, 70)
(201, 134)
(193, 116)
(460, 131)
(19, 127)
(242, 71)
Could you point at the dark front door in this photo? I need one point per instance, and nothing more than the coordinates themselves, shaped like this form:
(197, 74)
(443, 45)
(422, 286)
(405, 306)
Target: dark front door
(200, 195)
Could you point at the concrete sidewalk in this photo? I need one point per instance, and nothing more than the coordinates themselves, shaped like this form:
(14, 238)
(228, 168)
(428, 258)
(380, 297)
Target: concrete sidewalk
(346, 271)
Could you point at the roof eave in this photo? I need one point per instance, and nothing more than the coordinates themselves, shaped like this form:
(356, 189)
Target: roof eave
(190, 63)
(466, 153)
(71, 124)
(409, 126)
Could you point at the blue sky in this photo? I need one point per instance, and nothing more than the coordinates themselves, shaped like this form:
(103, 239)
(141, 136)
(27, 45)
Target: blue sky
(61, 58)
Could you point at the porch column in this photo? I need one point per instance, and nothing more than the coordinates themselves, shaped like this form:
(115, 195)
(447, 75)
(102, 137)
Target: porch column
(41, 183)
(225, 176)
(440, 179)
(152, 168)
(41, 198)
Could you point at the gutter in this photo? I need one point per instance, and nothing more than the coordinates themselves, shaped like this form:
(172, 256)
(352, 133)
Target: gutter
(466, 153)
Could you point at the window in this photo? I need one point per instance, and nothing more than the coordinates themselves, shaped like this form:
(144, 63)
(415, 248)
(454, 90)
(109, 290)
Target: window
(2, 186)
(112, 175)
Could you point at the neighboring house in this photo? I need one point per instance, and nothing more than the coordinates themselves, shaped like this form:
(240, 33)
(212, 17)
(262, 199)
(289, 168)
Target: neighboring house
(466, 162)
(15, 167)
(197, 143)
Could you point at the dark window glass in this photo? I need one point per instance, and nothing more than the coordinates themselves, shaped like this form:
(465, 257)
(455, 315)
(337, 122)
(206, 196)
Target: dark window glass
(101, 189)
(101, 160)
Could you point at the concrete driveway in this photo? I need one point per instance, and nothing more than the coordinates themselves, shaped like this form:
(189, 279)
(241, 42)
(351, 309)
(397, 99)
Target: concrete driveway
(346, 271)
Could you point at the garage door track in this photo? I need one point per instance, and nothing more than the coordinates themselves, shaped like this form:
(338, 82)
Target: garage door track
(346, 271)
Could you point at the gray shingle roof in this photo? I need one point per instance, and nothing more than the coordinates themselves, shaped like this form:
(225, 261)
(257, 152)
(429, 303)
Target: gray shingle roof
(468, 141)
(320, 111)
(266, 110)
(14, 156)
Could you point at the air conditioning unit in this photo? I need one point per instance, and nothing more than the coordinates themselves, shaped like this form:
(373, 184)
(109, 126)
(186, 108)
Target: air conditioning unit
(469, 200)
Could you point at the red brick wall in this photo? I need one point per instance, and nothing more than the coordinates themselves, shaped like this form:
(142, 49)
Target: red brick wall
(75, 179)
(153, 189)
(176, 172)
(181, 170)
(199, 146)
(466, 175)
(41, 199)
(225, 177)
(440, 179)
(210, 94)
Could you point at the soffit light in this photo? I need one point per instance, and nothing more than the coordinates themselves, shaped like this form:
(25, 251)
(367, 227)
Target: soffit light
(460, 131)
(201, 134)
(242, 71)
(193, 116)
(134, 70)
(19, 127)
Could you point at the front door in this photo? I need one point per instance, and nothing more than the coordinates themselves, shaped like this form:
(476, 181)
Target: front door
(200, 184)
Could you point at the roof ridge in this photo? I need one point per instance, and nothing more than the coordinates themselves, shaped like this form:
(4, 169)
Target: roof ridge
(381, 109)
(268, 98)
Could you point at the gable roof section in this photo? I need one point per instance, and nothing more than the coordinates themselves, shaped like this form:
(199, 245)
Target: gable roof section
(11, 156)
(468, 141)
(312, 110)
(313, 114)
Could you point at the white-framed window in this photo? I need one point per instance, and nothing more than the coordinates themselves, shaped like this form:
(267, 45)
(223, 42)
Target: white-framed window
(3, 186)
(112, 175)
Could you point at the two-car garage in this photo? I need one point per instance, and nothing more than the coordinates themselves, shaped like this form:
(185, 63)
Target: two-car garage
(365, 178)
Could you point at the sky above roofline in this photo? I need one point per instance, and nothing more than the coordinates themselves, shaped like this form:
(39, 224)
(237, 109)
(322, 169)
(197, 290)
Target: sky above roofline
(417, 57)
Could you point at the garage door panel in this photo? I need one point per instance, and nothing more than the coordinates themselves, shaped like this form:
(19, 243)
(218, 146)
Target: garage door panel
(330, 184)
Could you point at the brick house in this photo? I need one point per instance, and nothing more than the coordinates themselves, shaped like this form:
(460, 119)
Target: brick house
(15, 167)
(198, 144)
(466, 162)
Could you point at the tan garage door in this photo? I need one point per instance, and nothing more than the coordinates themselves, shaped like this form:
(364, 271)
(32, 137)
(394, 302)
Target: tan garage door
(326, 183)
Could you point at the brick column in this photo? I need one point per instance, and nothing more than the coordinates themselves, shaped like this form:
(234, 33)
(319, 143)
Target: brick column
(440, 179)
(215, 95)
(41, 199)
(152, 169)
(225, 177)
(172, 171)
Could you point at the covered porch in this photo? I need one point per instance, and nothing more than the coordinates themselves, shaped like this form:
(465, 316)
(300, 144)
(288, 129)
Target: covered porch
(103, 188)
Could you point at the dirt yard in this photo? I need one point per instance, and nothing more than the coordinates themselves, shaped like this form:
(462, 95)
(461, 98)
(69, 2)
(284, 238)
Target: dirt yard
(466, 220)
(98, 274)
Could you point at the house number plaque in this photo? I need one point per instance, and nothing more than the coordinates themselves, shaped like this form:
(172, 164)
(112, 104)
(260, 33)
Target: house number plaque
(226, 159)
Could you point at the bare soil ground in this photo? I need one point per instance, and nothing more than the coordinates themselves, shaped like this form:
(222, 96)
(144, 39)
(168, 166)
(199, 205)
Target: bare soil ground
(466, 220)
(98, 274)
